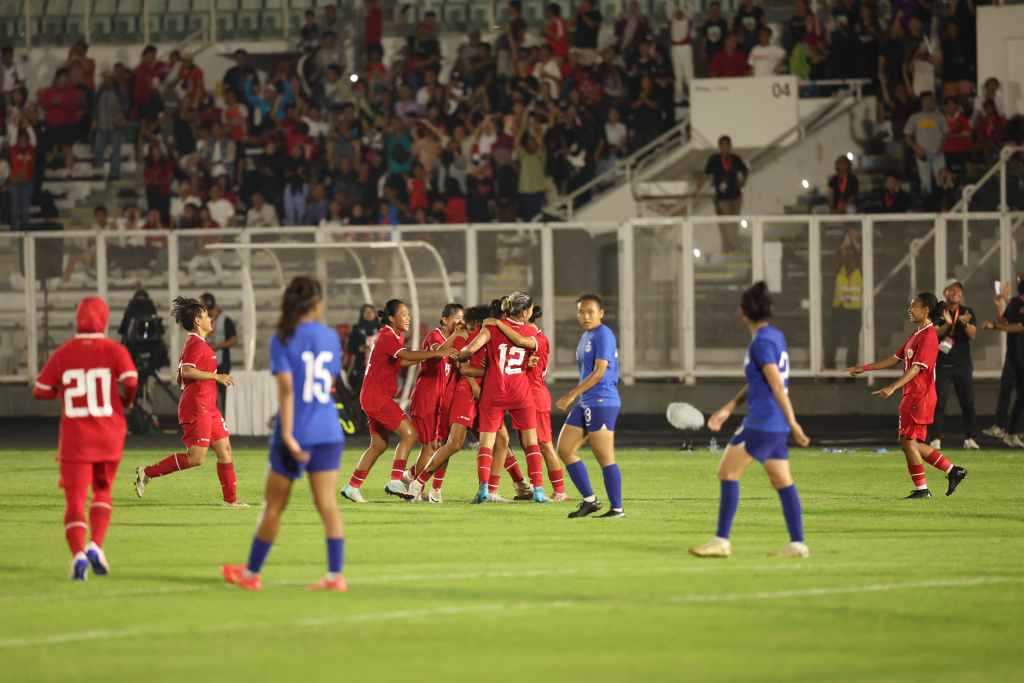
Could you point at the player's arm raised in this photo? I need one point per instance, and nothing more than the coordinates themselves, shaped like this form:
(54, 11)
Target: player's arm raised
(888, 391)
(467, 352)
(596, 375)
(513, 336)
(719, 417)
(774, 377)
(192, 372)
(889, 362)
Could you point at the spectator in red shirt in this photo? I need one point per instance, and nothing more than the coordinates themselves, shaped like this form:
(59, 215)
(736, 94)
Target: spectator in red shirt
(556, 33)
(61, 104)
(374, 23)
(730, 62)
(958, 144)
(990, 130)
(144, 94)
(158, 175)
(23, 165)
(191, 78)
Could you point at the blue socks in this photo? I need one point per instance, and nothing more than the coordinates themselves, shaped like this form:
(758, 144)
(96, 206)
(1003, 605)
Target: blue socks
(335, 555)
(258, 555)
(613, 485)
(727, 504)
(580, 479)
(791, 510)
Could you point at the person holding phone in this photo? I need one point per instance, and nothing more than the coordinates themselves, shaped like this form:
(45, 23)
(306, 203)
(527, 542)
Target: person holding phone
(1009, 319)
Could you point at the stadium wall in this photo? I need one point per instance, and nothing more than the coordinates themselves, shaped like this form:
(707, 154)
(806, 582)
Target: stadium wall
(1001, 52)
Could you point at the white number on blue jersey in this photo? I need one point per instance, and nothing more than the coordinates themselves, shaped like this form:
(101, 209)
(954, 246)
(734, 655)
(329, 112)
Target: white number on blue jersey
(97, 400)
(784, 369)
(318, 378)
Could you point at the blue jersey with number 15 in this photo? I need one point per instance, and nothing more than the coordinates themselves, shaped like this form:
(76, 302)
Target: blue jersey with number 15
(313, 358)
(763, 411)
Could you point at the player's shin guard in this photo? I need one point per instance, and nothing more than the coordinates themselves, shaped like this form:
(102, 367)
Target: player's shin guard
(727, 504)
(492, 483)
(484, 457)
(613, 485)
(557, 481)
(358, 477)
(335, 555)
(257, 555)
(935, 459)
(512, 467)
(917, 475)
(791, 511)
(439, 479)
(398, 469)
(580, 478)
(74, 519)
(174, 463)
(226, 474)
(99, 515)
(535, 465)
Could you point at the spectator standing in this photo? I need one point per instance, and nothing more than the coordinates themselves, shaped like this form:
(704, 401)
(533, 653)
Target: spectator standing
(766, 59)
(747, 23)
(923, 60)
(556, 33)
(926, 133)
(223, 337)
(22, 183)
(990, 91)
(532, 159)
(713, 34)
(729, 62)
(296, 186)
(112, 108)
(680, 33)
(956, 76)
(145, 95)
(158, 175)
(631, 28)
(11, 77)
(358, 345)
(954, 366)
(374, 26)
(646, 114)
(958, 145)
(990, 130)
(847, 301)
(1010, 319)
(729, 174)
(5, 195)
(235, 77)
(797, 25)
(61, 102)
(586, 22)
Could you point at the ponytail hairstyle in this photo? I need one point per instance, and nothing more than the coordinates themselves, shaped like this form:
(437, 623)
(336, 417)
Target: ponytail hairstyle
(475, 315)
(537, 313)
(516, 303)
(495, 308)
(756, 302)
(185, 311)
(931, 302)
(449, 310)
(390, 309)
(299, 298)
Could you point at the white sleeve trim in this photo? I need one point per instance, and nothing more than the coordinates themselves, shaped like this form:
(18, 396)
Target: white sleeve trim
(44, 387)
(128, 373)
(923, 365)
(181, 365)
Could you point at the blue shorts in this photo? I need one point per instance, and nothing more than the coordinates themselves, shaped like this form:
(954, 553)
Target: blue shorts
(323, 457)
(594, 418)
(761, 445)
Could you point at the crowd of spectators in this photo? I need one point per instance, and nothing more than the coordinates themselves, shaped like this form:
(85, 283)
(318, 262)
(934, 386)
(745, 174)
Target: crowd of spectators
(401, 138)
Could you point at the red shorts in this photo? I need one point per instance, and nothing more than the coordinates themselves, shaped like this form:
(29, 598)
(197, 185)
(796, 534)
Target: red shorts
(426, 427)
(207, 429)
(463, 409)
(911, 429)
(492, 417)
(384, 417)
(543, 427)
(99, 475)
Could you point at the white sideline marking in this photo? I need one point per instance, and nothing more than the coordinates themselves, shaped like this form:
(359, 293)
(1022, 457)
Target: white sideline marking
(839, 590)
(703, 567)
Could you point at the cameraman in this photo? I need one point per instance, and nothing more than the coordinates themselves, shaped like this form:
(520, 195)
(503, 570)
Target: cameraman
(223, 337)
(142, 333)
(139, 307)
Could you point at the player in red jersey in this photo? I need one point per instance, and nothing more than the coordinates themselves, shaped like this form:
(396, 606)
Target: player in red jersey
(387, 356)
(424, 403)
(917, 408)
(538, 365)
(84, 373)
(202, 423)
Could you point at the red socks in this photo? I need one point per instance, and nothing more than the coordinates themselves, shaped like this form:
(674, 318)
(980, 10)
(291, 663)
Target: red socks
(438, 479)
(74, 519)
(484, 457)
(358, 477)
(492, 483)
(397, 469)
(174, 463)
(226, 474)
(512, 467)
(535, 465)
(99, 516)
(424, 476)
(557, 482)
(935, 459)
(917, 475)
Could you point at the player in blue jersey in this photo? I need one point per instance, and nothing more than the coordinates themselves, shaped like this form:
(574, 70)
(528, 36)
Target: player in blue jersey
(595, 414)
(762, 436)
(305, 356)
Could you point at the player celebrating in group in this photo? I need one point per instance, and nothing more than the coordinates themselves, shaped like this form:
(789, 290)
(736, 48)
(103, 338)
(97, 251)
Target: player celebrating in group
(202, 423)
(762, 435)
(305, 356)
(387, 356)
(538, 364)
(918, 355)
(84, 373)
(594, 416)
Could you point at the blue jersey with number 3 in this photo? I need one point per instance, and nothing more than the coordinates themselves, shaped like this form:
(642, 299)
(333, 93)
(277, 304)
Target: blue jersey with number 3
(763, 411)
(599, 344)
(313, 358)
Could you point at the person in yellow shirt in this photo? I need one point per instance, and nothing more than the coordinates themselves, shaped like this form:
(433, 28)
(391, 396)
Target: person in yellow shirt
(847, 300)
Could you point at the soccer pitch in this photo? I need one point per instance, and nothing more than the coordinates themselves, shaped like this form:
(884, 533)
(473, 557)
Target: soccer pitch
(894, 590)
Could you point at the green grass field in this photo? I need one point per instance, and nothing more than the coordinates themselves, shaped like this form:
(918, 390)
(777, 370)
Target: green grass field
(894, 590)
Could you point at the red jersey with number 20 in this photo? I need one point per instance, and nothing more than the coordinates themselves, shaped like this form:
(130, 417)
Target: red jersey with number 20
(382, 368)
(507, 381)
(921, 348)
(198, 396)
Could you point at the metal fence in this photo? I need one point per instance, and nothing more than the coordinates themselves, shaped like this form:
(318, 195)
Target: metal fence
(670, 295)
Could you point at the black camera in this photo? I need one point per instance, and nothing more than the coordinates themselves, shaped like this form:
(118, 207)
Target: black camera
(144, 340)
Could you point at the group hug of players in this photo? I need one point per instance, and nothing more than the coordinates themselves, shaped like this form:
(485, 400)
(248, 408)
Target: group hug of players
(479, 364)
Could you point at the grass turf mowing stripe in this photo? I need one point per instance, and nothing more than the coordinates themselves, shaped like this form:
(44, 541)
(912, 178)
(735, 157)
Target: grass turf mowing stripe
(841, 590)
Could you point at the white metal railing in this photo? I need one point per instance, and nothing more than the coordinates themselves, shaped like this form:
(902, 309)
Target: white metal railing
(664, 281)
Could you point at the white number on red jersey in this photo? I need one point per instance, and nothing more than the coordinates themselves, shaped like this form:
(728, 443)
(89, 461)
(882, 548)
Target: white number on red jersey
(84, 383)
(318, 378)
(511, 360)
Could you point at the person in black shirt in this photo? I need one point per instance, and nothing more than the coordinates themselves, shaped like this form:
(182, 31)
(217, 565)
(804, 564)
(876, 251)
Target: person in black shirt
(748, 21)
(895, 200)
(797, 26)
(224, 336)
(842, 189)
(729, 174)
(1010, 320)
(713, 34)
(953, 365)
(358, 345)
(235, 77)
(586, 22)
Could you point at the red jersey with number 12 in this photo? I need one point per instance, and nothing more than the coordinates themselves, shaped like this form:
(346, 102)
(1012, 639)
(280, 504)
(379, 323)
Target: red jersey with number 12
(921, 348)
(198, 396)
(507, 382)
